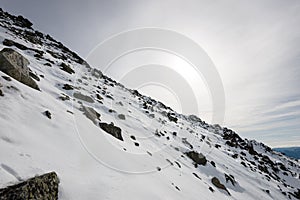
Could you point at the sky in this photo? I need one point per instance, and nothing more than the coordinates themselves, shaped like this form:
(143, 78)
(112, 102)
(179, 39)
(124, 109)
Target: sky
(254, 46)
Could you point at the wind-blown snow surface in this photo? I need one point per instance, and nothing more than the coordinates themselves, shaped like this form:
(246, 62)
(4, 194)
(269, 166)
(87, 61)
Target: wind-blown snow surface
(151, 161)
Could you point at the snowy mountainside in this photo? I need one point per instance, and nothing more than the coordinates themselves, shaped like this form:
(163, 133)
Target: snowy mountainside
(109, 142)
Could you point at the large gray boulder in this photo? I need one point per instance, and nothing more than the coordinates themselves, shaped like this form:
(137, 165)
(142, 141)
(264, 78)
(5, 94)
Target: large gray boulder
(15, 65)
(198, 158)
(39, 187)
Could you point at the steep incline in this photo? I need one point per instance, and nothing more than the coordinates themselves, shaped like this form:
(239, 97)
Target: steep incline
(109, 142)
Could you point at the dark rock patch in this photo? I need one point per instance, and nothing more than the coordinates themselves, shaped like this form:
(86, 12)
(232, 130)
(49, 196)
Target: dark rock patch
(136, 144)
(230, 178)
(67, 87)
(211, 189)
(112, 130)
(215, 181)
(132, 137)
(198, 158)
(48, 114)
(66, 68)
(196, 175)
(213, 163)
(7, 78)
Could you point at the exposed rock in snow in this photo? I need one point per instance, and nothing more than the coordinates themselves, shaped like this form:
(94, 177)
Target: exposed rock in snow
(15, 65)
(39, 187)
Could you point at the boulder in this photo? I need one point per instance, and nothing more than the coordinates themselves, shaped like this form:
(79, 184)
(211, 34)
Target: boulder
(112, 130)
(83, 97)
(15, 65)
(39, 187)
(215, 181)
(198, 158)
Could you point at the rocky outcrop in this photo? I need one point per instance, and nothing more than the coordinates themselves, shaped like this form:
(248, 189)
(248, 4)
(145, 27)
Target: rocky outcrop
(15, 65)
(39, 187)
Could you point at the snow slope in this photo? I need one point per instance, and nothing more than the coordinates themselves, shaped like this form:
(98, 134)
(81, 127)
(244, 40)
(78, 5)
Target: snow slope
(150, 162)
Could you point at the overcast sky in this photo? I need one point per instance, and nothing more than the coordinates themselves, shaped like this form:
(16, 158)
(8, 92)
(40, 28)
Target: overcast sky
(255, 46)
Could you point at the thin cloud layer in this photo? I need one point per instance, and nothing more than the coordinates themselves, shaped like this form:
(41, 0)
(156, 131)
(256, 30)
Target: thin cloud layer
(254, 45)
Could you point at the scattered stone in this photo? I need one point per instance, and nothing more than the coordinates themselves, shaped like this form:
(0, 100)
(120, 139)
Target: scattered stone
(136, 144)
(15, 65)
(99, 97)
(186, 143)
(177, 163)
(213, 163)
(66, 68)
(67, 87)
(112, 130)
(48, 114)
(230, 178)
(158, 168)
(7, 78)
(211, 189)
(133, 137)
(121, 116)
(196, 175)
(34, 76)
(48, 64)
(215, 181)
(64, 97)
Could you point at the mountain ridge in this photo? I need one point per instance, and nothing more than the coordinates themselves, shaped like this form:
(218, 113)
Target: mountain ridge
(188, 146)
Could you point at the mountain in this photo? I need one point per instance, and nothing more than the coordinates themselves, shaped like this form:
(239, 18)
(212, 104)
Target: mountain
(293, 152)
(106, 141)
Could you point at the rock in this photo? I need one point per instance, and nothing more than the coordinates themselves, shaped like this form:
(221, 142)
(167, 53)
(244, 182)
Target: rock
(67, 87)
(230, 178)
(23, 22)
(48, 114)
(39, 187)
(121, 116)
(213, 163)
(215, 181)
(91, 114)
(132, 137)
(96, 73)
(66, 68)
(34, 76)
(1, 93)
(83, 97)
(15, 65)
(7, 78)
(112, 130)
(198, 158)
